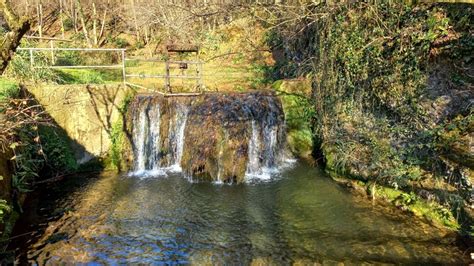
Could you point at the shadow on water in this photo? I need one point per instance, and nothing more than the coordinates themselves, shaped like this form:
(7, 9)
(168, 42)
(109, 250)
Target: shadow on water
(300, 216)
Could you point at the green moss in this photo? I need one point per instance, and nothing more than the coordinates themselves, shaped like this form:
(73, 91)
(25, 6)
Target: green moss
(431, 211)
(118, 137)
(300, 142)
(298, 111)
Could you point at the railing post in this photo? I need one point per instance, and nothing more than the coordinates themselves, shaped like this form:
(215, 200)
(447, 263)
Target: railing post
(167, 76)
(52, 52)
(124, 74)
(32, 60)
(200, 77)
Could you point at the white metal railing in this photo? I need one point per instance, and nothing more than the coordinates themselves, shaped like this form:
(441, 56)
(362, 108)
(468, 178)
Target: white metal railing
(168, 76)
(56, 49)
(121, 65)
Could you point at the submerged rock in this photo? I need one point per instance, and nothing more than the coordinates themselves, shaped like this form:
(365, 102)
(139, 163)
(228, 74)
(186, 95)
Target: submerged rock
(216, 137)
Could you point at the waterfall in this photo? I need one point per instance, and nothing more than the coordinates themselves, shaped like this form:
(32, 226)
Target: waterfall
(176, 137)
(149, 152)
(154, 141)
(264, 158)
(266, 149)
(139, 134)
(225, 138)
(253, 164)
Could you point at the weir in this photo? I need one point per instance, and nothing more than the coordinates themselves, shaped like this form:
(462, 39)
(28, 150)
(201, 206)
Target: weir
(216, 137)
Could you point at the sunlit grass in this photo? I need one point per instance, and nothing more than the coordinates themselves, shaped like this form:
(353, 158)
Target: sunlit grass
(8, 89)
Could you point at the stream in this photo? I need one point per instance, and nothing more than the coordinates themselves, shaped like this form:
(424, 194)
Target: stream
(297, 216)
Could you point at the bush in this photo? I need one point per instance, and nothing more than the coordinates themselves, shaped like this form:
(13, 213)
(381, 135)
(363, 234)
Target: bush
(68, 24)
(119, 42)
(59, 156)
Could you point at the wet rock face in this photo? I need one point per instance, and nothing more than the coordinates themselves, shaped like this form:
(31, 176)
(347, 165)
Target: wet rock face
(216, 137)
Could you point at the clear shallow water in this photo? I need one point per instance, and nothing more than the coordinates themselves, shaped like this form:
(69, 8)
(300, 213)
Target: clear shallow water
(300, 217)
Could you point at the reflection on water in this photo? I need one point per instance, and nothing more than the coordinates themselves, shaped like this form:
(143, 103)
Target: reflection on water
(300, 217)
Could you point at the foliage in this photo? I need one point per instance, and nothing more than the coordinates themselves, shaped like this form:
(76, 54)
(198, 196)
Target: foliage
(4, 208)
(38, 147)
(28, 159)
(40, 150)
(68, 24)
(59, 157)
(378, 112)
(117, 134)
(119, 42)
(68, 58)
(20, 68)
(370, 74)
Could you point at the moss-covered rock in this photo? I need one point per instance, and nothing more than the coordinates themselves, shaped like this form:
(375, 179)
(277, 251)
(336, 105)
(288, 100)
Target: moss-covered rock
(218, 129)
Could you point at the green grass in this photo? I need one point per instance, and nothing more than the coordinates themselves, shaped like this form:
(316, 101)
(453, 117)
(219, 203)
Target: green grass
(8, 89)
(88, 76)
(217, 75)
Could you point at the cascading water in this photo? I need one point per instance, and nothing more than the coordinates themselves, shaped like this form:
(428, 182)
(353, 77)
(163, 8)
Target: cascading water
(265, 158)
(266, 152)
(253, 164)
(176, 137)
(146, 137)
(154, 138)
(224, 138)
(149, 148)
(139, 135)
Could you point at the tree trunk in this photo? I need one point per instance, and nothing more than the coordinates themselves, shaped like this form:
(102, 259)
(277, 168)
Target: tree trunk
(102, 27)
(61, 18)
(83, 23)
(94, 24)
(74, 15)
(137, 30)
(39, 9)
(11, 40)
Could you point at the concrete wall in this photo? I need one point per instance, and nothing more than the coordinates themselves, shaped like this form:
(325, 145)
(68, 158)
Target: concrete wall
(85, 112)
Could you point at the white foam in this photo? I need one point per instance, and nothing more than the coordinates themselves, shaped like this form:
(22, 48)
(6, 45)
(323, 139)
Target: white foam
(148, 173)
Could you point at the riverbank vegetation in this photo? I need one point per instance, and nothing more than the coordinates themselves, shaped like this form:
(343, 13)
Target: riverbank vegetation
(392, 92)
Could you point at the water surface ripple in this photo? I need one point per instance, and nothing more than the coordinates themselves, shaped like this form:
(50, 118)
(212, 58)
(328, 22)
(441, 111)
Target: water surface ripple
(302, 216)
